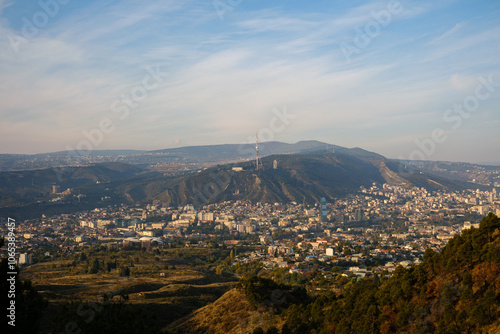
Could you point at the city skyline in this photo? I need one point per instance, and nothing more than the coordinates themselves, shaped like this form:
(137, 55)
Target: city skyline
(405, 79)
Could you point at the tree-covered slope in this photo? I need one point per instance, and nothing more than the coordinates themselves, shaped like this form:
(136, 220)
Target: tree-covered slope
(455, 291)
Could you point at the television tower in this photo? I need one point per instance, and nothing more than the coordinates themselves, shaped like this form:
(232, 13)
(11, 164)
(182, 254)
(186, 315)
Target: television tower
(258, 162)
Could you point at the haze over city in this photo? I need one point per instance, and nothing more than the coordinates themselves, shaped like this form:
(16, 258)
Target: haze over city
(393, 77)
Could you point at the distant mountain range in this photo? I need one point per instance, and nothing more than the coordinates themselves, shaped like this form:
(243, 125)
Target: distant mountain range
(195, 156)
(305, 171)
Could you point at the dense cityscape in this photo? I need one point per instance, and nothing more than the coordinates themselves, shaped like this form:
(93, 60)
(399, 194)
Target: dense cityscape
(375, 230)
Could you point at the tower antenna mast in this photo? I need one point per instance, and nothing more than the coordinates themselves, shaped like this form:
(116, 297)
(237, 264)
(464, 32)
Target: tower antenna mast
(258, 162)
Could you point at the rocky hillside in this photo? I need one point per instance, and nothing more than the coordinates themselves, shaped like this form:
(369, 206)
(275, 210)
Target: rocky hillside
(297, 177)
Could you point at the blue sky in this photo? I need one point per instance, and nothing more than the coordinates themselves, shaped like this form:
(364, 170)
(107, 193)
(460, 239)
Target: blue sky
(379, 75)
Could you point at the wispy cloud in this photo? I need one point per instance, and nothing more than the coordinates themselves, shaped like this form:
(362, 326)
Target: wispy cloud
(4, 4)
(226, 77)
(448, 33)
(257, 25)
(490, 38)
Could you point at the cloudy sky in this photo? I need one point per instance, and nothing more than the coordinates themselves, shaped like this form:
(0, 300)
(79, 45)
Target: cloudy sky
(406, 79)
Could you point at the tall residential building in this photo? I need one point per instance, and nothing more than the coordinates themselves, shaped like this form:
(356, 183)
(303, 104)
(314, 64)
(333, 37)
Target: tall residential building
(323, 209)
(359, 215)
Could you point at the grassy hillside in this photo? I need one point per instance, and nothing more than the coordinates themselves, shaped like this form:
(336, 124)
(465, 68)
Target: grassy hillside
(136, 288)
(232, 314)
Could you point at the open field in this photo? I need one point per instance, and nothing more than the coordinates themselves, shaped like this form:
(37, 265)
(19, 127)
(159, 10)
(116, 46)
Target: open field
(162, 285)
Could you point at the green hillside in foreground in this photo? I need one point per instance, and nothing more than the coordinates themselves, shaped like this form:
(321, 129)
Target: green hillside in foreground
(455, 291)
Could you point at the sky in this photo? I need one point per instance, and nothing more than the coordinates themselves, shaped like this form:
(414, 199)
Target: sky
(406, 79)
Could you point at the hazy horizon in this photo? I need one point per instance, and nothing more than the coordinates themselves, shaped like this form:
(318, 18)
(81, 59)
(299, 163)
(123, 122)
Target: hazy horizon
(262, 144)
